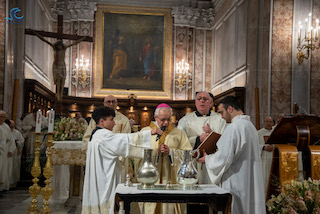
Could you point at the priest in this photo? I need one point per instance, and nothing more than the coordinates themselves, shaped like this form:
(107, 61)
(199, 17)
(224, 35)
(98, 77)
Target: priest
(199, 124)
(7, 147)
(236, 165)
(103, 169)
(164, 147)
(19, 142)
(266, 150)
(28, 125)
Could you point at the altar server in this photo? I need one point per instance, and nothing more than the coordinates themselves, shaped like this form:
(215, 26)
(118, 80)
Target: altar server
(236, 165)
(164, 147)
(103, 169)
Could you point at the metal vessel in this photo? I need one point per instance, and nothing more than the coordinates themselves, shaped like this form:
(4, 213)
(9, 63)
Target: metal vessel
(148, 173)
(187, 175)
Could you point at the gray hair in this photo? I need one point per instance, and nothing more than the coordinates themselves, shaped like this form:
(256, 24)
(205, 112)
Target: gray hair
(156, 112)
(3, 113)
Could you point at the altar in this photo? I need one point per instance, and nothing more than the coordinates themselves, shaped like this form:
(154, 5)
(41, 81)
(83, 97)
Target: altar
(68, 162)
(216, 198)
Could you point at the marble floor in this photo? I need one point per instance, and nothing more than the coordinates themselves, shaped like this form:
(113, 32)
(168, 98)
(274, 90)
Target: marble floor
(17, 201)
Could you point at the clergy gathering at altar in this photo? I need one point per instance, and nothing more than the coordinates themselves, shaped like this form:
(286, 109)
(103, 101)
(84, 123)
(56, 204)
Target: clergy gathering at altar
(160, 107)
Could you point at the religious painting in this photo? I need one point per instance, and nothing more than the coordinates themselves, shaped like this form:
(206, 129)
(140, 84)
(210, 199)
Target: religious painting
(133, 52)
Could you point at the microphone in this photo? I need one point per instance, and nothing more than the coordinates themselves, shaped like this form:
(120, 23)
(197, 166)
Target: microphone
(162, 129)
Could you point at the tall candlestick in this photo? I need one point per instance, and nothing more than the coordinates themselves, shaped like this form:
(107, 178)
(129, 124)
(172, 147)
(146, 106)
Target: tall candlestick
(38, 121)
(51, 120)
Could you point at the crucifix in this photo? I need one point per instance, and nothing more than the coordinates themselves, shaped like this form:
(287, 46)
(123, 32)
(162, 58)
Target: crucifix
(59, 65)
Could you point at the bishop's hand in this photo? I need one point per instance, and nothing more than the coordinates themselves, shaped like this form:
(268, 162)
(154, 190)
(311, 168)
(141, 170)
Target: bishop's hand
(157, 131)
(163, 149)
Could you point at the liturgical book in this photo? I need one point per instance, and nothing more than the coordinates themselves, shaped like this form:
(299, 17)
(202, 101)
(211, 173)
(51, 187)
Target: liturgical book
(209, 144)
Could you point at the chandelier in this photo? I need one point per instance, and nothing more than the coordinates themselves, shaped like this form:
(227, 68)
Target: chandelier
(81, 73)
(309, 39)
(183, 76)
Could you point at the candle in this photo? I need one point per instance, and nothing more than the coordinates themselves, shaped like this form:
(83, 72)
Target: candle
(299, 32)
(317, 28)
(51, 120)
(38, 121)
(306, 29)
(310, 22)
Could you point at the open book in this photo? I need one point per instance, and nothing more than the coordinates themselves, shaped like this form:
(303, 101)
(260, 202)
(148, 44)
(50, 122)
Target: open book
(209, 144)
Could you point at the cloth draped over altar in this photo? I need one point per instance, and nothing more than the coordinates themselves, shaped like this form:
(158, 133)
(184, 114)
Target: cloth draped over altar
(68, 162)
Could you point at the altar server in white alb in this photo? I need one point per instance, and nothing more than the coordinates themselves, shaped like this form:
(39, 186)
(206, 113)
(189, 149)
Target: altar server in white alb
(236, 165)
(103, 168)
(199, 124)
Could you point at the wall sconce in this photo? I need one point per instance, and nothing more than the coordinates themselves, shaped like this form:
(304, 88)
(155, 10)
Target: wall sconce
(310, 36)
(183, 76)
(81, 73)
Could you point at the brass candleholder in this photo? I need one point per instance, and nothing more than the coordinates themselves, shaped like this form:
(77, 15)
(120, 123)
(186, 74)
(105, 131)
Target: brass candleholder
(34, 190)
(47, 172)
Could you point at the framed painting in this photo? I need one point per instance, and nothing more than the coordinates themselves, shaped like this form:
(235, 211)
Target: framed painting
(133, 52)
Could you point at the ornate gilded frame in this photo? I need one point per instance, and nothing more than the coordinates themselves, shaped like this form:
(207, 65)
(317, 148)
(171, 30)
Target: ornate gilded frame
(99, 90)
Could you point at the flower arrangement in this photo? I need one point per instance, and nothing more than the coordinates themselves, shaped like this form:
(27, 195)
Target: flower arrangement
(68, 129)
(297, 197)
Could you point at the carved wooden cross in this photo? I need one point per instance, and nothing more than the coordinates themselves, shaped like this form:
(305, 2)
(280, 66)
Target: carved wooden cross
(59, 34)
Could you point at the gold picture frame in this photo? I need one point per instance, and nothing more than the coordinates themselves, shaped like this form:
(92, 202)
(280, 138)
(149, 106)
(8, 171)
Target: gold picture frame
(133, 52)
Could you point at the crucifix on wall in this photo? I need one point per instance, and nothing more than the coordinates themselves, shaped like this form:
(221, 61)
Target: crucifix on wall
(59, 65)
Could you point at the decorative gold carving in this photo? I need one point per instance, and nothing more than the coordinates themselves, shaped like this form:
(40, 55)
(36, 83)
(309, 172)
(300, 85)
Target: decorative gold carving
(34, 190)
(288, 161)
(315, 162)
(47, 172)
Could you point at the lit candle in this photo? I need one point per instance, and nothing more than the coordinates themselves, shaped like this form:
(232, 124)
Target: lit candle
(51, 120)
(306, 29)
(317, 28)
(310, 22)
(38, 121)
(299, 31)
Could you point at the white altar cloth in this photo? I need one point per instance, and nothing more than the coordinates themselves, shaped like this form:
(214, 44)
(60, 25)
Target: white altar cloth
(203, 189)
(64, 154)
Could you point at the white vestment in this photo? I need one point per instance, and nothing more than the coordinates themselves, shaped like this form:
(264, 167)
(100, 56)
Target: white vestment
(192, 125)
(103, 168)
(7, 145)
(168, 167)
(19, 141)
(122, 126)
(28, 124)
(236, 166)
(266, 157)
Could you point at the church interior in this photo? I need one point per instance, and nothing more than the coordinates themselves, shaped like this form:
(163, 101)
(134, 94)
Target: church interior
(266, 53)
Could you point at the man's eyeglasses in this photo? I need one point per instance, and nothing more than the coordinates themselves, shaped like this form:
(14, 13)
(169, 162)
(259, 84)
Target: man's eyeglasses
(205, 99)
(165, 119)
(110, 101)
